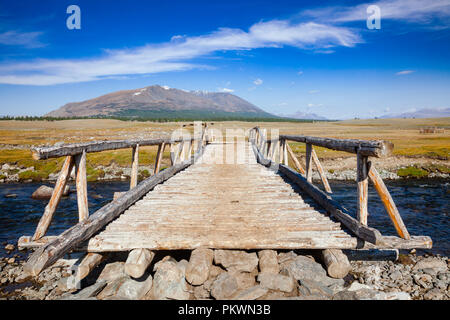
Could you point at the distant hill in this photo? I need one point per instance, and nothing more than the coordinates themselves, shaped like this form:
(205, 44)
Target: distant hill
(303, 115)
(422, 113)
(162, 102)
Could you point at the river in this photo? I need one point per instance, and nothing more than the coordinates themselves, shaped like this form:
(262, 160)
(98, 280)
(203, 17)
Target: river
(423, 204)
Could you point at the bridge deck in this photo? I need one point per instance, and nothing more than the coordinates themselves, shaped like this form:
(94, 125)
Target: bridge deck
(222, 206)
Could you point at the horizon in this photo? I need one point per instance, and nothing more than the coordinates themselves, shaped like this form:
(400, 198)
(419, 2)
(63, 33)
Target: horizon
(289, 57)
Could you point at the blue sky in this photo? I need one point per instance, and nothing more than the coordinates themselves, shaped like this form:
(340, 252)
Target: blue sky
(283, 56)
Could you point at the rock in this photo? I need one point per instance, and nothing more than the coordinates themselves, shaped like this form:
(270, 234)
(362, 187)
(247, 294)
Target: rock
(86, 293)
(268, 261)
(236, 260)
(355, 286)
(112, 271)
(284, 257)
(251, 293)
(6, 167)
(244, 280)
(424, 280)
(276, 282)
(112, 288)
(214, 271)
(9, 247)
(224, 286)
(11, 260)
(134, 289)
(197, 271)
(396, 275)
(45, 192)
(431, 263)
(314, 288)
(434, 294)
(169, 281)
(396, 296)
(201, 293)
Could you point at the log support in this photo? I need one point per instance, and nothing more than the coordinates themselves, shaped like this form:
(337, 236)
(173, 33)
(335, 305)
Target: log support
(322, 174)
(363, 188)
(134, 167)
(137, 262)
(81, 182)
(297, 164)
(308, 162)
(336, 263)
(159, 156)
(89, 262)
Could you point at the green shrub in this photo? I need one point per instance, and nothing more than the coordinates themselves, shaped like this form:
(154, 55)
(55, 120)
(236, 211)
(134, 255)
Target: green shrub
(412, 172)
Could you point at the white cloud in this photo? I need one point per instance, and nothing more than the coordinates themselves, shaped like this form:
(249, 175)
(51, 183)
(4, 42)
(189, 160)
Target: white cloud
(401, 73)
(300, 73)
(24, 39)
(313, 91)
(258, 82)
(176, 54)
(226, 90)
(312, 105)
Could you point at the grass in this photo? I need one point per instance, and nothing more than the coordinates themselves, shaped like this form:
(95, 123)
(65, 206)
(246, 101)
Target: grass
(412, 172)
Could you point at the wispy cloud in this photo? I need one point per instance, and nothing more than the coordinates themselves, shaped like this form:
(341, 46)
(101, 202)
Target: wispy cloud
(313, 91)
(312, 105)
(177, 54)
(226, 90)
(401, 73)
(258, 82)
(24, 39)
(300, 73)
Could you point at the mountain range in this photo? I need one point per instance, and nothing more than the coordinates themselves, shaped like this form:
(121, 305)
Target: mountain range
(422, 113)
(161, 101)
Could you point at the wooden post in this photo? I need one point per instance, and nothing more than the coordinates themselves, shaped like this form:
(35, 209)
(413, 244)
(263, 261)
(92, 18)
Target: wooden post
(389, 203)
(321, 172)
(58, 191)
(285, 153)
(89, 262)
(191, 146)
(336, 262)
(137, 262)
(159, 155)
(134, 167)
(295, 160)
(81, 182)
(308, 162)
(276, 152)
(363, 188)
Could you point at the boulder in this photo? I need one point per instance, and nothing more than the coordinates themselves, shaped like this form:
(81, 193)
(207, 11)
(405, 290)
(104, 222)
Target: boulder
(45, 192)
(251, 293)
(276, 282)
(134, 289)
(236, 260)
(200, 263)
(169, 281)
(112, 271)
(224, 287)
(244, 279)
(200, 293)
(434, 294)
(431, 263)
(313, 288)
(111, 288)
(268, 261)
(87, 293)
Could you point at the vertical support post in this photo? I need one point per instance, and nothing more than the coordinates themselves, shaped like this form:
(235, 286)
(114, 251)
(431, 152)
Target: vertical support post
(58, 191)
(269, 149)
(134, 167)
(191, 145)
(321, 172)
(285, 153)
(308, 162)
(363, 188)
(389, 203)
(81, 182)
(159, 155)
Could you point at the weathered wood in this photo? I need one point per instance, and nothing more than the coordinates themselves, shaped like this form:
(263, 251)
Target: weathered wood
(58, 191)
(137, 262)
(159, 156)
(308, 158)
(73, 237)
(89, 262)
(388, 203)
(81, 183)
(363, 188)
(134, 167)
(375, 148)
(322, 174)
(118, 194)
(40, 153)
(372, 254)
(336, 263)
(285, 153)
(294, 159)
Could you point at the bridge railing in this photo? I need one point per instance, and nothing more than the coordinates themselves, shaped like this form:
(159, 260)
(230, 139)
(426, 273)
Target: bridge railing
(279, 151)
(181, 150)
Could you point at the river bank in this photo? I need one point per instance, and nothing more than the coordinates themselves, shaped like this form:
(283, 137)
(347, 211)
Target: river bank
(231, 274)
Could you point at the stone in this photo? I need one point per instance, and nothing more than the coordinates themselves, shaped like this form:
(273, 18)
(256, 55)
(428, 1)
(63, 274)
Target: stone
(251, 293)
(276, 282)
(200, 263)
(45, 192)
(134, 289)
(434, 294)
(112, 271)
(201, 293)
(244, 279)
(236, 260)
(214, 271)
(355, 286)
(396, 275)
(9, 247)
(6, 167)
(11, 260)
(86, 293)
(314, 288)
(424, 280)
(224, 286)
(397, 296)
(169, 281)
(286, 256)
(432, 263)
(268, 261)
(112, 288)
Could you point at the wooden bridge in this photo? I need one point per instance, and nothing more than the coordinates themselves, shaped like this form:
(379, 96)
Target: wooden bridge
(255, 201)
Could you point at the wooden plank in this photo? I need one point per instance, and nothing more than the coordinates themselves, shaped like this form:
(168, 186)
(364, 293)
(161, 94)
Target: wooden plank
(369, 148)
(81, 182)
(73, 237)
(134, 167)
(137, 262)
(308, 158)
(388, 203)
(58, 191)
(295, 160)
(336, 263)
(159, 155)
(321, 172)
(362, 187)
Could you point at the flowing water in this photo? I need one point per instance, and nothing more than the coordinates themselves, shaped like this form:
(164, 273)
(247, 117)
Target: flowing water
(423, 205)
